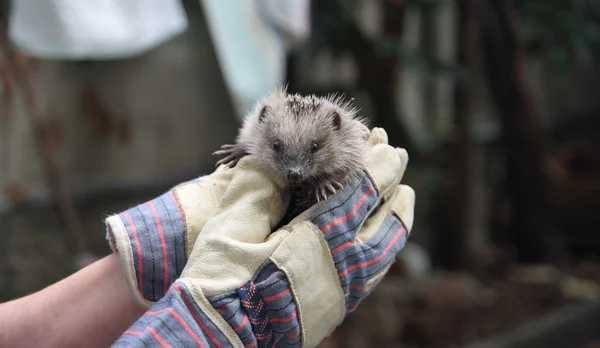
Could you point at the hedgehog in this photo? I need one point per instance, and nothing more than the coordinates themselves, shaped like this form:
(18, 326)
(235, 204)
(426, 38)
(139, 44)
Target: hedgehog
(315, 143)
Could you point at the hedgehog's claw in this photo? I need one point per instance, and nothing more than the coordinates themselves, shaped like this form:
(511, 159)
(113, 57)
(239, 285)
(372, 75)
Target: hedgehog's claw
(327, 187)
(230, 155)
(227, 160)
(337, 185)
(324, 193)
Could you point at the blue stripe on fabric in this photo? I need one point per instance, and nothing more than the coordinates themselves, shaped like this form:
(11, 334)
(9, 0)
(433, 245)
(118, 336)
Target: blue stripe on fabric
(132, 242)
(376, 247)
(150, 243)
(147, 247)
(153, 265)
(230, 307)
(172, 226)
(357, 263)
(325, 212)
(263, 312)
(177, 321)
(345, 206)
(209, 329)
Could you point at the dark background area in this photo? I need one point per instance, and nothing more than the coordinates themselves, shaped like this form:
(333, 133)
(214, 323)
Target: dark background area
(495, 101)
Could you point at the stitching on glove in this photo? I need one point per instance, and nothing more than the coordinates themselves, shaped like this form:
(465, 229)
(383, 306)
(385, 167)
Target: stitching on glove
(264, 311)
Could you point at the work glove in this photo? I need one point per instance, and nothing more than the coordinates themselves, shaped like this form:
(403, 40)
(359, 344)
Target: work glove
(155, 238)
(244, 286)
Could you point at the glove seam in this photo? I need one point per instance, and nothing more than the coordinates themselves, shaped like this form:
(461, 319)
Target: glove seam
(291, 280)
(397, 214)
(204, 304)
(183, 217)
(332, 270)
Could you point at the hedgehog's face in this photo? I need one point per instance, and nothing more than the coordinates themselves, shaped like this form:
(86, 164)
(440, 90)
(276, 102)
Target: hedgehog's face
(299, 145)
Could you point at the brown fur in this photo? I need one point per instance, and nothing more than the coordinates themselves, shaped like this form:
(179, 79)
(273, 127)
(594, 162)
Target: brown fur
(297, 123)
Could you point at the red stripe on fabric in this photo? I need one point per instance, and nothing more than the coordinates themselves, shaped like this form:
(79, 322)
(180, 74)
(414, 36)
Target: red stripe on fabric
(280, 295)
(251, 345)
(204, 328)
(132, 332)
(158, 338)
(352, 213)
(343, 246)
(283, 320)
(359, 288)
(242, 324)
(185, 326)
(370, 262)
(162, 245)
(292, 336)
(138, 248)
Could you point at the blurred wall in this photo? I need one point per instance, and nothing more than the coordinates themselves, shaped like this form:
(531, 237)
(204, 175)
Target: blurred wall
(173, 99)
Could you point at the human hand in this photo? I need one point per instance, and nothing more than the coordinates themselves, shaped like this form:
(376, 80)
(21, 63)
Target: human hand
(155, 238)
(245, 286)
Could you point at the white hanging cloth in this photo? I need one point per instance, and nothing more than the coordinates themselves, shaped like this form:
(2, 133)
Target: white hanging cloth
(94, 29)
(251, 39)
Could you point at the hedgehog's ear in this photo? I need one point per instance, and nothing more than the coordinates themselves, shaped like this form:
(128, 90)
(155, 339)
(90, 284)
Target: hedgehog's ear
(263, 114)
(336, 120)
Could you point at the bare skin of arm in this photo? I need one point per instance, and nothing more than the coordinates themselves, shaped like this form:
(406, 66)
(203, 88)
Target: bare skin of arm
(90, 308)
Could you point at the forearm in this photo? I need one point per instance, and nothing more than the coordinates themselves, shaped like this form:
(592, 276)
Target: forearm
(90, 308)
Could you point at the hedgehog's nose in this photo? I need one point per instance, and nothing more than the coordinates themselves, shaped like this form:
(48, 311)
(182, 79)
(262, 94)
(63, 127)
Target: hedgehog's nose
(294, 175)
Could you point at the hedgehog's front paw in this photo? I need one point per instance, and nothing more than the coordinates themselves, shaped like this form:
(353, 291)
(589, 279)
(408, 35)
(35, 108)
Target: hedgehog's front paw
(230, 155)
(328, 186)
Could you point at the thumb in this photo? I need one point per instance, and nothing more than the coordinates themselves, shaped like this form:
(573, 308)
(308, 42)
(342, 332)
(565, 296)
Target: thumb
(252, 205)
(404, 206)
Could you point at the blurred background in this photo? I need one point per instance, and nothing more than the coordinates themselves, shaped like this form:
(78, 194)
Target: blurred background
(108, 104)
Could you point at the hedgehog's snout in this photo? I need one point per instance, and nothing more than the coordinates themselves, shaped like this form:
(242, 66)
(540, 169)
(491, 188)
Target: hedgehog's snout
(294, 175)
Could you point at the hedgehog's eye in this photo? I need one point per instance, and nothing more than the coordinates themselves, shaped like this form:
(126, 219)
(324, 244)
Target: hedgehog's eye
(314, 147)
(276, 145)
